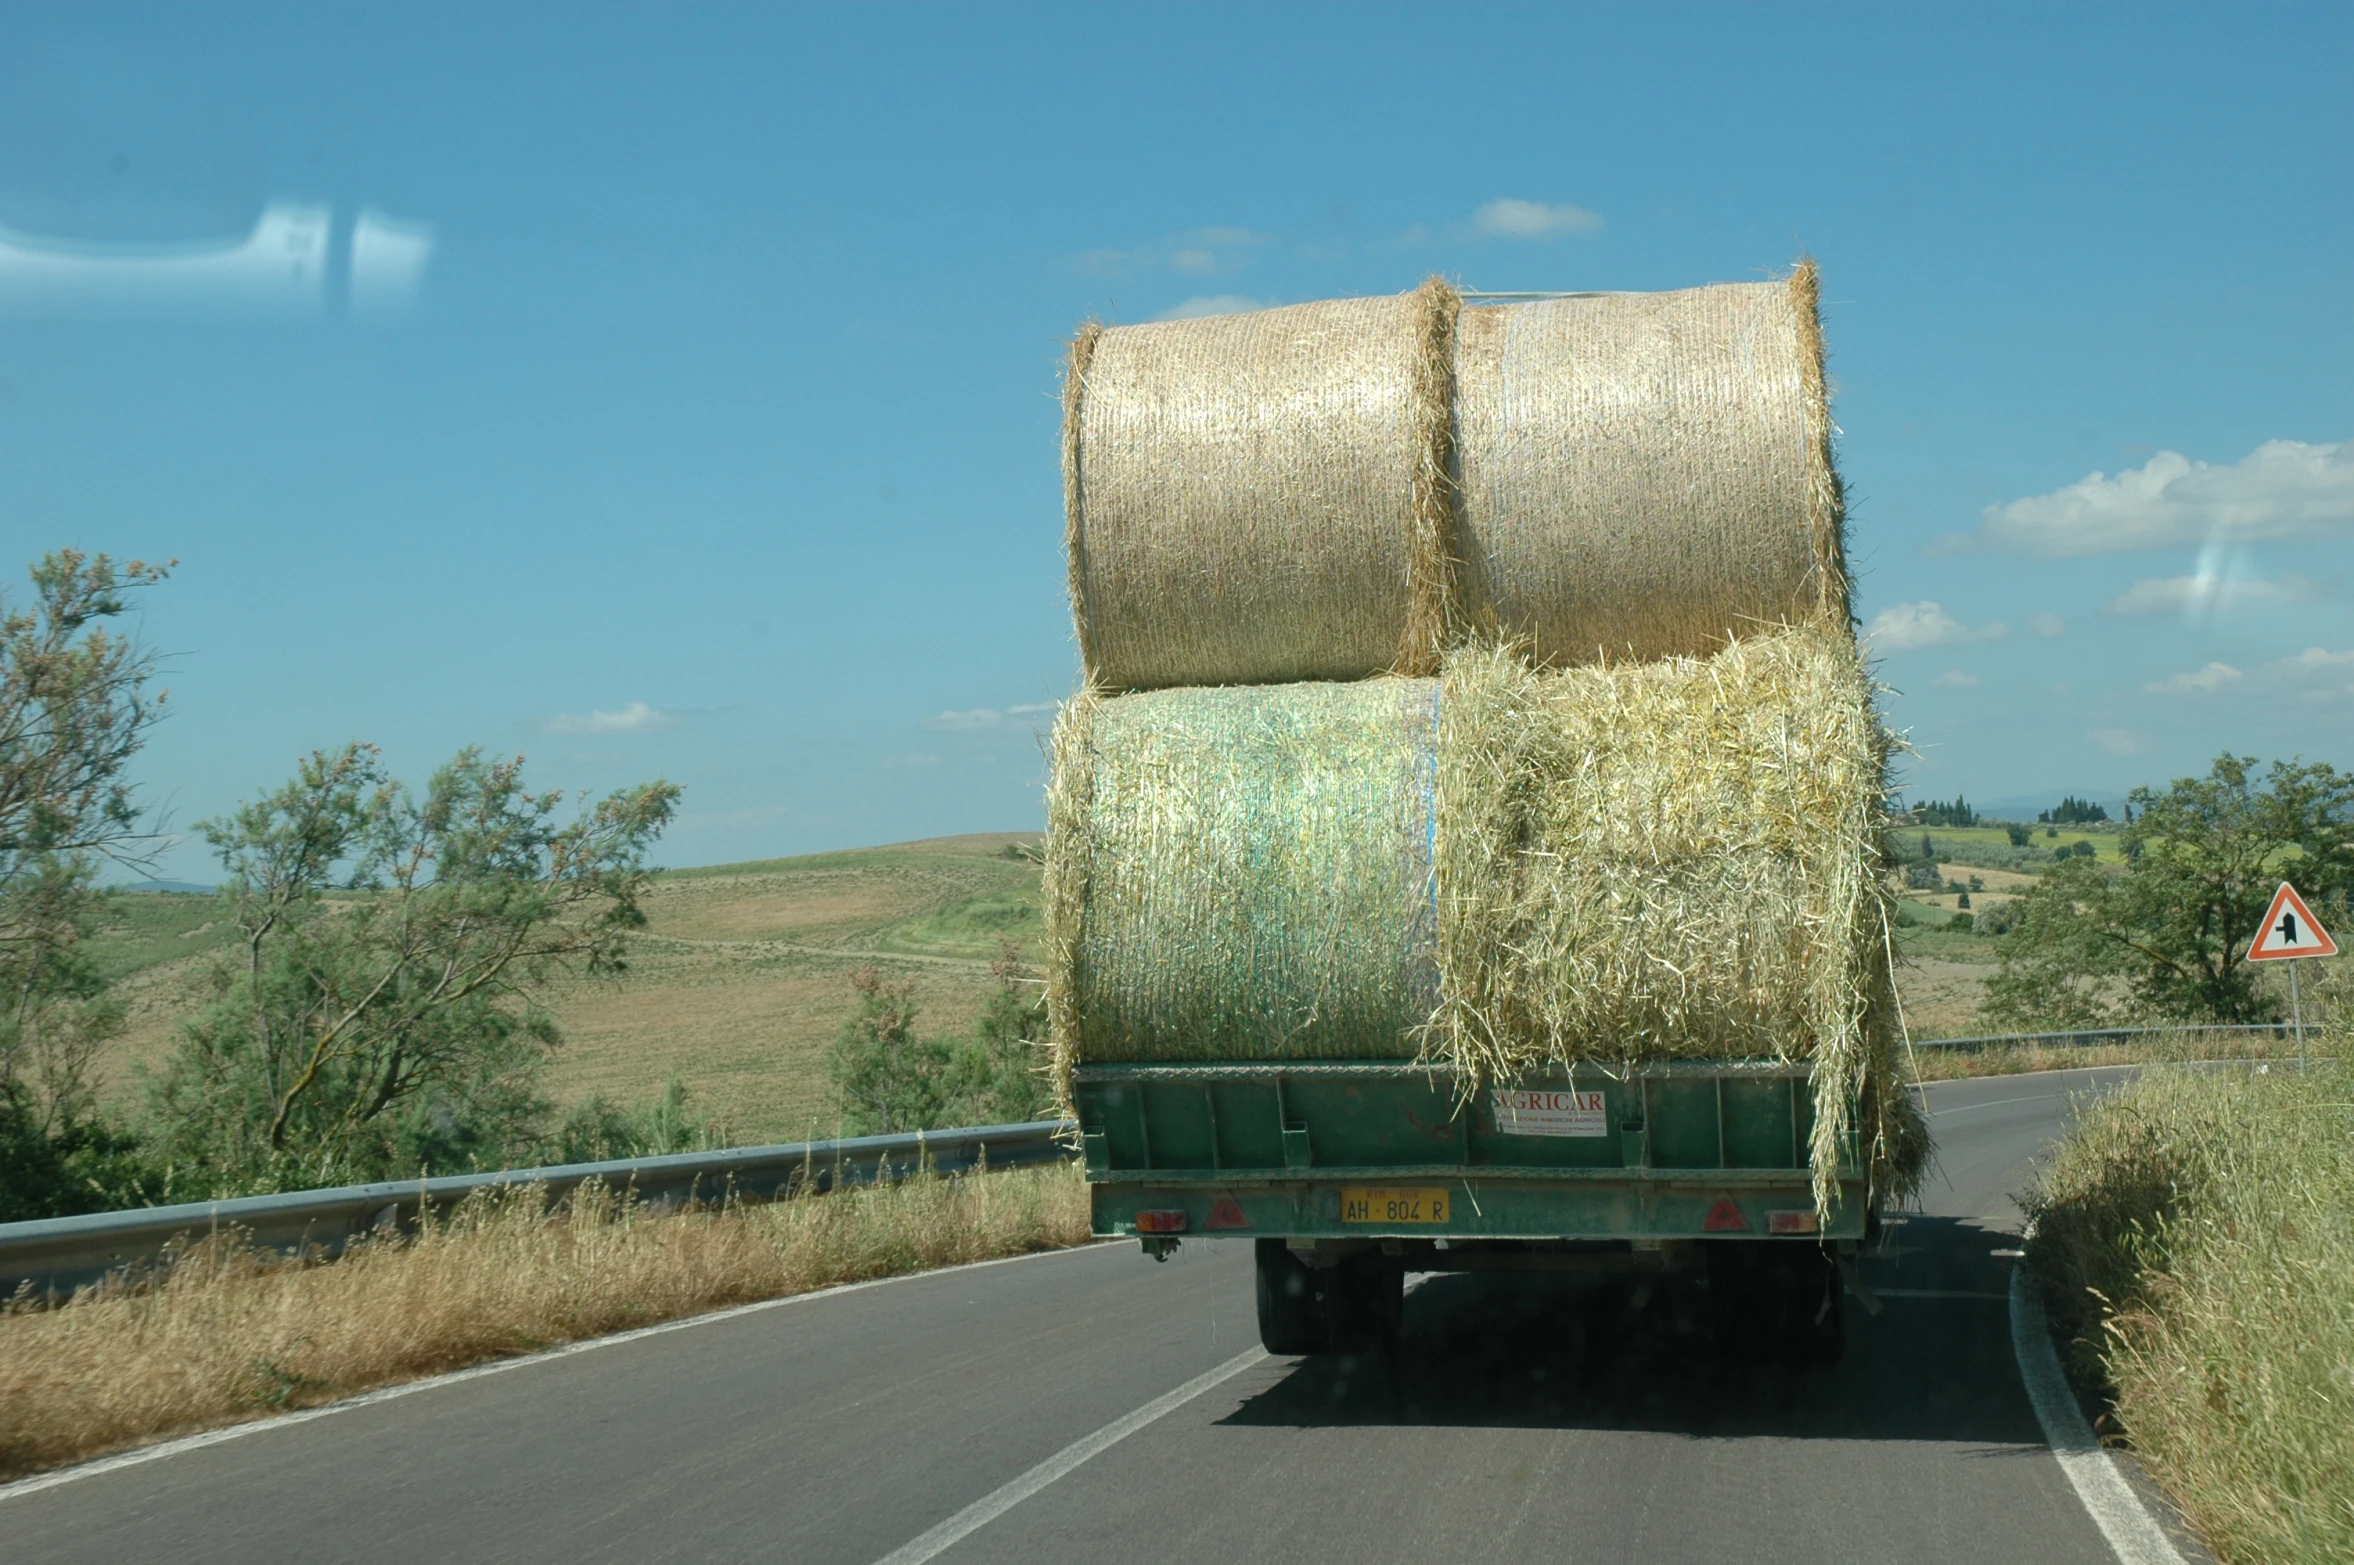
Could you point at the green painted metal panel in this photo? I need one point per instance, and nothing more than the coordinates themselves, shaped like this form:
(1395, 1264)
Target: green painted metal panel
(1760, 1126)
(1278, 1140)
(1487, 1208)
(1684, 1128)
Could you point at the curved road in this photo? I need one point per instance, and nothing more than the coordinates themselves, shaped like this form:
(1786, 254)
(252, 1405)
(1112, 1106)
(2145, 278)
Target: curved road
(1519, 1421)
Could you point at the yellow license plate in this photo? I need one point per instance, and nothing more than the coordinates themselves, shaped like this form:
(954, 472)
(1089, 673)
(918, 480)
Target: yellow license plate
(1362, 1204)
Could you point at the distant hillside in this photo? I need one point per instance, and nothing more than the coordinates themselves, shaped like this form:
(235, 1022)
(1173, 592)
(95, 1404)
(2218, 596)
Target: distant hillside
(743, 977)
(738, 985)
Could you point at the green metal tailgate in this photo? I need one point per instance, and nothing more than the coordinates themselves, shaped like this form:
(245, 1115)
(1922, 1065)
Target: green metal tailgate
(1334, 1150)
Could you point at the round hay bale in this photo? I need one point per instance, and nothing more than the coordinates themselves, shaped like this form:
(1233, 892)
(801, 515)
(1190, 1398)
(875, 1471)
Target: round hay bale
(1647, 475)
(1676, 859)
(1243, 873)
(1251, 498)
(1505, 870)
(1336, 490)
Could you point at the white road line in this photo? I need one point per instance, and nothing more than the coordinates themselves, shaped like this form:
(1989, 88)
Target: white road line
(156, 1453)
(990, 1506)
(2134, 1535)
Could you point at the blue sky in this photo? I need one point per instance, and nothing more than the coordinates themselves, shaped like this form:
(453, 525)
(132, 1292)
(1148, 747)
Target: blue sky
(673, 394)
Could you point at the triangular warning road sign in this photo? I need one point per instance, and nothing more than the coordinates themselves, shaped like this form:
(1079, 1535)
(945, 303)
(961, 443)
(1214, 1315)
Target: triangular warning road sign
(1724, 1218)
(2290, 930)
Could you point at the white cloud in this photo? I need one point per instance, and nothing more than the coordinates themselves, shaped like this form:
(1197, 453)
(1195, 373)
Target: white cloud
(2206, 593)
(1902, 627)
(986, 719)
(1512, 219)
(2047, 625)
(1200, 252)
(2117, 741)
(2313, 660)
(1955, 679)
(1214, 304)
(979, 720)
(635, 718)
(2282, 489)
(2211, 678)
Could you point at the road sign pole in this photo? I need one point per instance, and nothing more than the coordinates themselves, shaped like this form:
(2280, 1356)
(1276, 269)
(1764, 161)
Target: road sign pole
(2297, 1015)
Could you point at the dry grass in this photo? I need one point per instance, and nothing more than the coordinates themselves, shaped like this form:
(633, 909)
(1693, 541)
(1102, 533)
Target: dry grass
(226, 1335)
(1644, 861)
(2011, 1059)
(2196, 1234)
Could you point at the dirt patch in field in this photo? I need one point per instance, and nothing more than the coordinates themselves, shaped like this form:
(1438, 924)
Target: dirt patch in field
(1941, 998)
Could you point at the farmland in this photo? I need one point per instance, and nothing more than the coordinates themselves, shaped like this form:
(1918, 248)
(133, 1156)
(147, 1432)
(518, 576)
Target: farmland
(741, 979)
(737, 986)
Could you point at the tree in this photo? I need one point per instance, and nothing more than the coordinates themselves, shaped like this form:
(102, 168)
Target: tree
(2167, 936)
(379, 1013)
(599, 1128)
(2072, 811)
(886, 1079)
(74, 710)
(996, 1076)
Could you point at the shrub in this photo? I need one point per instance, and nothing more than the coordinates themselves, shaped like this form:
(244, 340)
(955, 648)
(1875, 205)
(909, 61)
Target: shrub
(2000, 919)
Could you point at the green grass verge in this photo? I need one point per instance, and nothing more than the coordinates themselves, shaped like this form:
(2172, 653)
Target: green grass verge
(2195, 1238)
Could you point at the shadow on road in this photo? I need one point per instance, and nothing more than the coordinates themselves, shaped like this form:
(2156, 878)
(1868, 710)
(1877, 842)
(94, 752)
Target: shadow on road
(1503, 1351)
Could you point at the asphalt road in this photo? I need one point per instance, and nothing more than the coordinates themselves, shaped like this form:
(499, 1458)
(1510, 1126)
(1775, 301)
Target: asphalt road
(1519, 1421)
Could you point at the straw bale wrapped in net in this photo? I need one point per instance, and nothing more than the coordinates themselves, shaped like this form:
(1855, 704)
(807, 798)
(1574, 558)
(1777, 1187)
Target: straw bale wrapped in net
(1243, 873)
(1646, 475)
(1612, 864)
(1249, 498)
(1336, 490)
(1674, 859)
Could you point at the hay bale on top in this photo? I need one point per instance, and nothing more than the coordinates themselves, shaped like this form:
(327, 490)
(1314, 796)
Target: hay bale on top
(1250, 498)
(1609, 865)
(1243, 873)
(1672, 860)
(1647, 475)
(1273, 496)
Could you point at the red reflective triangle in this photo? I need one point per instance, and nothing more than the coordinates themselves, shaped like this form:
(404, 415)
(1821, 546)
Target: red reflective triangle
(2289, 930)
(1724, 1218)
(1226, 1212)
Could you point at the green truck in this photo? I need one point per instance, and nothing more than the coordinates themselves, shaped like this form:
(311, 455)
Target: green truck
(1347, 1175)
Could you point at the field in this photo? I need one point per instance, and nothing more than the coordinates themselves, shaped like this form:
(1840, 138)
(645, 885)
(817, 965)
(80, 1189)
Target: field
(743, 977)
(739, 984)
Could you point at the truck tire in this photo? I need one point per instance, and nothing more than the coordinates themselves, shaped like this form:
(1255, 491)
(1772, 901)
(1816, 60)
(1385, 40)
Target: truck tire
(1354, 1307)
(1366, 1303)
(1292, 1316)
(1777, 1300)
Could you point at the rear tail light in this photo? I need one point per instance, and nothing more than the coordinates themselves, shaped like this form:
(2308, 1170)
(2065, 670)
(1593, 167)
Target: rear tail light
(1160, 1222)
(1792, 1223)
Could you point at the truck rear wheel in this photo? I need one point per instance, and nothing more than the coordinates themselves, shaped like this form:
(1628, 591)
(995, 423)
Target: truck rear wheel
(1777, 1300)
(1291, 1305)
(1352, 1307)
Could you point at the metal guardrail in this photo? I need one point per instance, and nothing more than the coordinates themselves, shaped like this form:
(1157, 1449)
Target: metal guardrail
(57, 1254)
(2093, 1036)
(61, 1253)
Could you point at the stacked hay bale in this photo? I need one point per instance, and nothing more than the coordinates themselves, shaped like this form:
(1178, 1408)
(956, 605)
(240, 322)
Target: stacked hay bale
(1473, 685)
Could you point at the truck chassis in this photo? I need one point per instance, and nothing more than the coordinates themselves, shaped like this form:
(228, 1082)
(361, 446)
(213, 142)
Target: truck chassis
(1350, 1174)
